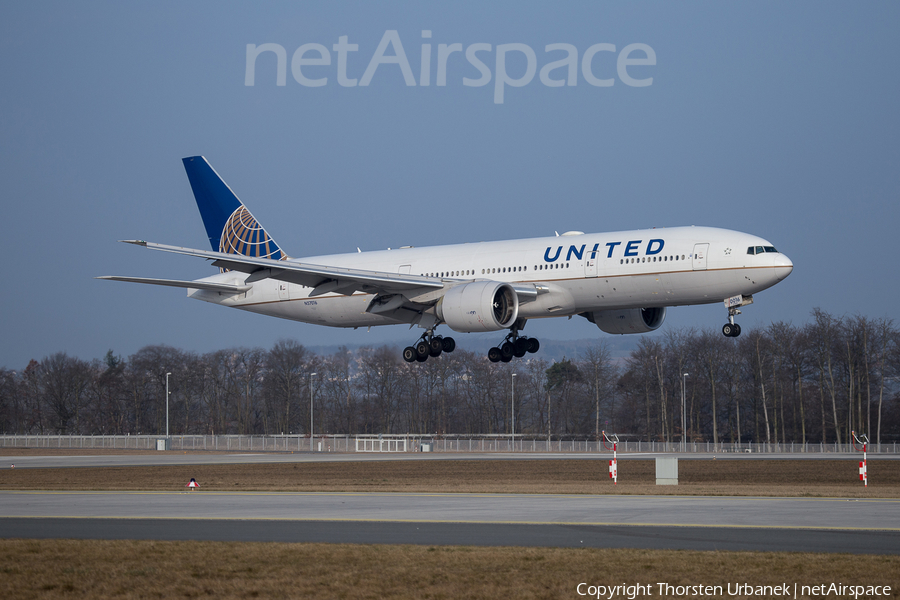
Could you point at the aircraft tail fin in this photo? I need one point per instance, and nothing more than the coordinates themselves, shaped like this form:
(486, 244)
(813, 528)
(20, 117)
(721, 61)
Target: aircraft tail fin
(229, 225)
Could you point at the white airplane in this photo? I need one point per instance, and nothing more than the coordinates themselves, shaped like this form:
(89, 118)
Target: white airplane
(622, 282)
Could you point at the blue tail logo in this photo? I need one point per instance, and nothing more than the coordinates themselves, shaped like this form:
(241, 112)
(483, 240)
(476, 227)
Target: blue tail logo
(243, 234)
(229, 225)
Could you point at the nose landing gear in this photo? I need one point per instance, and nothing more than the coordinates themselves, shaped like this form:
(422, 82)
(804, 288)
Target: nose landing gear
(732, 329)
(733, 304)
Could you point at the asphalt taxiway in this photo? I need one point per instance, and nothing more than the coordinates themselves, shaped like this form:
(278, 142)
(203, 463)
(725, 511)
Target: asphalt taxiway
(675, 522)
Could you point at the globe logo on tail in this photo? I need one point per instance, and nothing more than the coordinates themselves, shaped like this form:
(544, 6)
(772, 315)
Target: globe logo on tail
(244, 235)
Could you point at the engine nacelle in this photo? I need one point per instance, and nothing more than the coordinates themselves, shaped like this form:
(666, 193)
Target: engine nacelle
(632, 320)
(479, 306)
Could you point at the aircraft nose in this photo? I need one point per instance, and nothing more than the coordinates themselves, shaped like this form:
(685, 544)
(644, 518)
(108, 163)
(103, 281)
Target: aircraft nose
(783, 266)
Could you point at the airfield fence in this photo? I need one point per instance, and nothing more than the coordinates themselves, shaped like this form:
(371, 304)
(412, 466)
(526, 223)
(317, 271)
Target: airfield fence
(414, 443)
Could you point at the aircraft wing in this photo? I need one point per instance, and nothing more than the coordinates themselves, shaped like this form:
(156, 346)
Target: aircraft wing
(195, 285)
(323, 279)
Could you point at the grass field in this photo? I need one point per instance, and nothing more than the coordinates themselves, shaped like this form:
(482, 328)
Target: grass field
(145, 569)
(138, 569)
(821, 478)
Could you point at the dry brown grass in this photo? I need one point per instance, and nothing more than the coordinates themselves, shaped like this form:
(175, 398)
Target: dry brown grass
(818, 478)
(145, 569)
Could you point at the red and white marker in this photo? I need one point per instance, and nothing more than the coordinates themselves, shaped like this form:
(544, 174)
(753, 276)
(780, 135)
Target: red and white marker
(614, 463)
(193, 484)
(864, 440)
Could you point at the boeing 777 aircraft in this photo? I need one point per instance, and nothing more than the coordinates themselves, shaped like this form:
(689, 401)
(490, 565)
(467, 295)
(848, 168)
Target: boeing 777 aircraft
(622, 282)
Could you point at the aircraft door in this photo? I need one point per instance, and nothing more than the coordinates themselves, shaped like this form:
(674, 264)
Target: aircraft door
(282, 287)
(590, 267)
(699, 259)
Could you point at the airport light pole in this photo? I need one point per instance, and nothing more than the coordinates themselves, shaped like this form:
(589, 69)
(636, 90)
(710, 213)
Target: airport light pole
(167, 410)
(683, 425)
(311, 436)
(512, 405)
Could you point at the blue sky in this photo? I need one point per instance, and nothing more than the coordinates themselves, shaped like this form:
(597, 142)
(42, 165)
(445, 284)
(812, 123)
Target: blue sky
(778, 119)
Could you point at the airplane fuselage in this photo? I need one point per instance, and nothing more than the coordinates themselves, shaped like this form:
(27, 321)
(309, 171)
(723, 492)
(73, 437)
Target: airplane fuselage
(575, 273)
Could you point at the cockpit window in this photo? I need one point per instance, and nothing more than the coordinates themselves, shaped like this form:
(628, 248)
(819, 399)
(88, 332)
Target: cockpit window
(771, 249)
(751, 250)
(761, 249)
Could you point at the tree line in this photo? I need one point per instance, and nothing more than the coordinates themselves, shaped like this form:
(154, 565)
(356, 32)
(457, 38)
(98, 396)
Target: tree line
(814, 382)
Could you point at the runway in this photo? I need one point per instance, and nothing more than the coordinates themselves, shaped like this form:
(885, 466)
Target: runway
(672, 522)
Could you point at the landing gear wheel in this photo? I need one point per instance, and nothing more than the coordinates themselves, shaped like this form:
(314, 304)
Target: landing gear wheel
(533, 345)
(449, 344)
(421, 357)
(494, 355)
(731, 330)
(423, 350)
(505, 358)
(507, 350)
(409, 354)
(520, 347)
(436, 346)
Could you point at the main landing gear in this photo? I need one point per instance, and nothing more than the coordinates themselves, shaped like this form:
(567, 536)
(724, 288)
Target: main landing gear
(428, 345)
(513, 346)
(732, 329)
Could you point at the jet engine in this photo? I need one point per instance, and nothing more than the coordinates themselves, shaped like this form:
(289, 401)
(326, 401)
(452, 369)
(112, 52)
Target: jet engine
(479, 306)
(632, 320)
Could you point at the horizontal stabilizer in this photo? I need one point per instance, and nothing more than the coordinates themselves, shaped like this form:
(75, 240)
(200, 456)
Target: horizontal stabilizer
(194, 285)
(322, 278)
